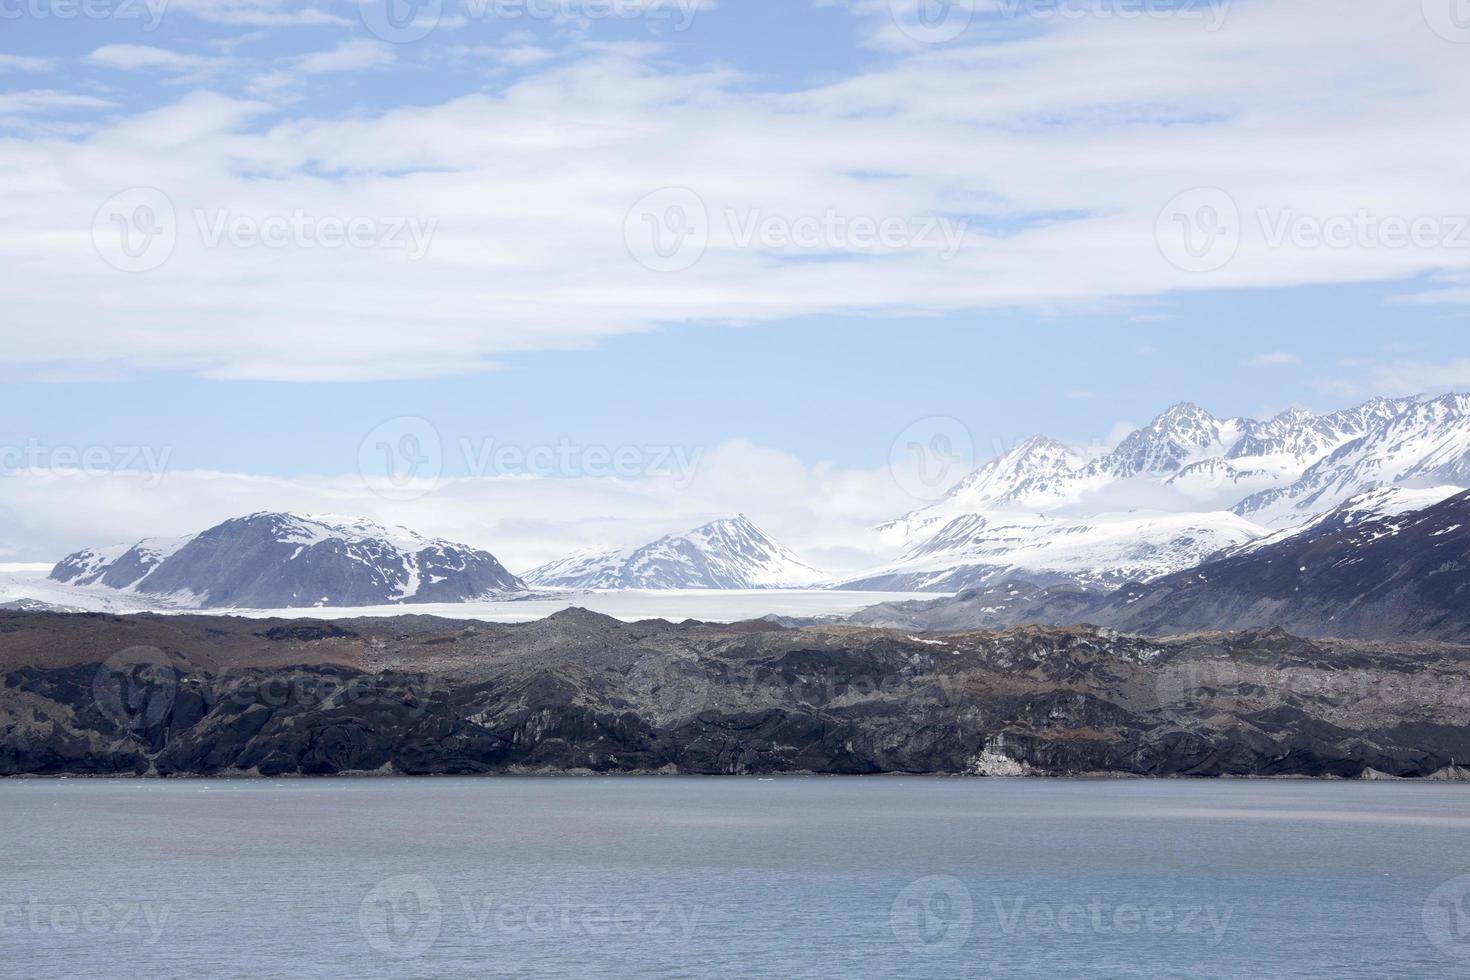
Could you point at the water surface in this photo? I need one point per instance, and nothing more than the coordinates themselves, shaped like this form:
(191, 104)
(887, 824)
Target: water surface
(717, 877)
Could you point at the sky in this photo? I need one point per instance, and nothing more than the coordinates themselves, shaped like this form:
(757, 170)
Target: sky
(550, 274)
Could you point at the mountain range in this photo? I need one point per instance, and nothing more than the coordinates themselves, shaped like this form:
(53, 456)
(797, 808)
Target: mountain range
(1184, 492)
(1169, 496)
(1390, 563)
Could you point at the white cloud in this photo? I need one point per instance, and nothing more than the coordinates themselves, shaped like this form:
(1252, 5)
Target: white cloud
(348, 56)
(258, 13)
(1418, 377)
(1274, 359)
(16, 62)
(47, 100)
(823, 512)
(134, 56)
(1060, 149)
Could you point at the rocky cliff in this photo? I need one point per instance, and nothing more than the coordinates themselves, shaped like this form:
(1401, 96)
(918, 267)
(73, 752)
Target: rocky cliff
(578, 692)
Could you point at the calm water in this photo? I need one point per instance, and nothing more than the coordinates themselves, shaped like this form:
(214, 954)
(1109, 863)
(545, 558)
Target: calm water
(733, 877)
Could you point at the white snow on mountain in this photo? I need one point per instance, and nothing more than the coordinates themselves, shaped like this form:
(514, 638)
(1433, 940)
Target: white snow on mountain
(269, 560)
(1370, 506)
(1102, 551)
(731, 553)
(1425, 444)
(1171, 491)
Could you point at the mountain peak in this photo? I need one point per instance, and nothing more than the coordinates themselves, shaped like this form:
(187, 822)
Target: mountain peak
(1186, 411)
(728, 553)
(272, 559)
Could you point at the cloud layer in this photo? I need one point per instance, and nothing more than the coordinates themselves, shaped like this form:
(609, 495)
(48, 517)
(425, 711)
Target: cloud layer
(1085, 161)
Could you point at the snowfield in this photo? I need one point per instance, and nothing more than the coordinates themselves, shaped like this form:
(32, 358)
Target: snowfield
(712, 605)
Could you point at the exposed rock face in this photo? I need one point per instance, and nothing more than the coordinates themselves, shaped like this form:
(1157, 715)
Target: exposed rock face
(271, 561)
(183, 695)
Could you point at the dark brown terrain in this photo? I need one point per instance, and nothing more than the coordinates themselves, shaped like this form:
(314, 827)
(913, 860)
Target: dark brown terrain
(580, 692)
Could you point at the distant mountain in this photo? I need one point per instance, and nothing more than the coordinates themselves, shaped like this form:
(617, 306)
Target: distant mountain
(1367, 569)
(726, 554)
(1422, 444)
(1169, 495)
(274, 560)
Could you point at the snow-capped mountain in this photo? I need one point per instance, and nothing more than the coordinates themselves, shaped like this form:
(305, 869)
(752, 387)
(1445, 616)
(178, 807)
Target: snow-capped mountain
(272, 560)
(1424, 444)
(1103, 551)
(726, 554)
(1368, 568)
(1171, 493)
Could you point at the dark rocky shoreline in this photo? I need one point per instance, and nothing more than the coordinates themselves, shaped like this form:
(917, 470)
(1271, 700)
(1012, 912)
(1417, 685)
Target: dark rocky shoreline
(174, 696)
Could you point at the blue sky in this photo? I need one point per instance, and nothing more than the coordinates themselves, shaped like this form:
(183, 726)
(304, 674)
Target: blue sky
(835, 389)
(1053, 176)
